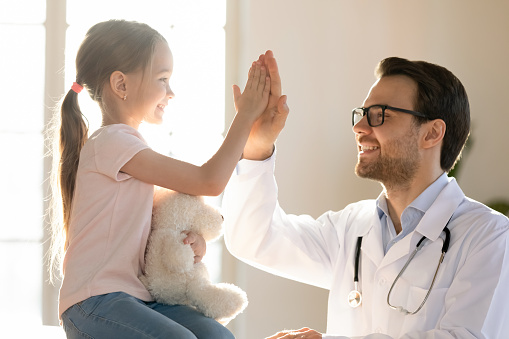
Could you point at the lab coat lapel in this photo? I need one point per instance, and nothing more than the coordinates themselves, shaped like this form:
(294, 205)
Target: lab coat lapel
(439, 213)
(372, 246)
(431, 224)
(399, 249)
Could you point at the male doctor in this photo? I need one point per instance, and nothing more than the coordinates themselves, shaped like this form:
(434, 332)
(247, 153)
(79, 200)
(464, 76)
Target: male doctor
(410, 131)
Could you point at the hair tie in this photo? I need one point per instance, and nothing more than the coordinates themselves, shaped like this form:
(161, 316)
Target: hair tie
(76, 87)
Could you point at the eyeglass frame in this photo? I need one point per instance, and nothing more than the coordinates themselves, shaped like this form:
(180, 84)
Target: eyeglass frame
(365, 111)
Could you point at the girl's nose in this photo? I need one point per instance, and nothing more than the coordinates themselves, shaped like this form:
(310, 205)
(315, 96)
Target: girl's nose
(170, 93)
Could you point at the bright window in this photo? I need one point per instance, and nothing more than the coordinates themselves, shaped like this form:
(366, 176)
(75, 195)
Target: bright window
(21, 174)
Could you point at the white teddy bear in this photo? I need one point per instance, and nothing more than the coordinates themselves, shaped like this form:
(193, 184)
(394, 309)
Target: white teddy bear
(171, 276)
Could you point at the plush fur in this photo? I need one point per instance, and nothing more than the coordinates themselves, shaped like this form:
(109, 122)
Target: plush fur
(171, 275)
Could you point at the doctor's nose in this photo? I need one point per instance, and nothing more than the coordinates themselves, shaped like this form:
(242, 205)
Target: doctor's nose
(362, 126)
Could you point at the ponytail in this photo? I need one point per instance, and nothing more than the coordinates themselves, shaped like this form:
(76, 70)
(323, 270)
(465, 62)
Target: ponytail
(70, 134)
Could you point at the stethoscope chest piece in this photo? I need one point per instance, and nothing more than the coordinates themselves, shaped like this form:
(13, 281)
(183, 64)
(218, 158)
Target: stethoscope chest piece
(354, 298)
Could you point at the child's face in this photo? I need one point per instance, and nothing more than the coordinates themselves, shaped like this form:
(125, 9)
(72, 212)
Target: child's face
(153, 86)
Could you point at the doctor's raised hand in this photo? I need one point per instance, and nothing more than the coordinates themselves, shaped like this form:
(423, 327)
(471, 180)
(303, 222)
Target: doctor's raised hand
(267, 128)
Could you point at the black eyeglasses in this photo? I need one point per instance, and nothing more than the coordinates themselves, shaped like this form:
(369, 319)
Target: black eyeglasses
(376, 114)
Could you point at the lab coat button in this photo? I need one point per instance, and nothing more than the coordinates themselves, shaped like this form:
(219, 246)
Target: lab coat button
(381, 281)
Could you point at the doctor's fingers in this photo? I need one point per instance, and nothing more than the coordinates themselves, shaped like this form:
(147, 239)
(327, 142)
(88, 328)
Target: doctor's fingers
(273, 70)
(304, 333)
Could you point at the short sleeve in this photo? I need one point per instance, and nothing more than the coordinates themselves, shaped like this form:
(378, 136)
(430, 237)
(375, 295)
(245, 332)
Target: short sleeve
(114, 146)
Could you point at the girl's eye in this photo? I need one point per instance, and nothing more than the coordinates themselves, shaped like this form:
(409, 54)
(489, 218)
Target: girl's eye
(165, 80)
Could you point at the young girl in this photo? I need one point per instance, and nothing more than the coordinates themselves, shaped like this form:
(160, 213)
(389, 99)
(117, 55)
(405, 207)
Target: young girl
(106, 184)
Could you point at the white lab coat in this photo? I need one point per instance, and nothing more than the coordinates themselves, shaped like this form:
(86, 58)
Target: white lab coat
(470, 298)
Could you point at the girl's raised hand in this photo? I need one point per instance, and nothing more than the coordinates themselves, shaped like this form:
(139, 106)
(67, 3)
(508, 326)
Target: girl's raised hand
(253, 101)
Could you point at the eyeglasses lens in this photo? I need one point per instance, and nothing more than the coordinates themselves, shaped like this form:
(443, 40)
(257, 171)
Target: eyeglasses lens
(357, 115)
(376, 115)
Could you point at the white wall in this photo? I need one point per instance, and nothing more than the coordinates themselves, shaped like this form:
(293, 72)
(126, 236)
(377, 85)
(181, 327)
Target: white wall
(327, 51)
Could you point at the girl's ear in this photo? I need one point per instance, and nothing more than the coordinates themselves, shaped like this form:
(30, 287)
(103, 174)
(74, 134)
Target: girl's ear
(118, 84)
(434, 133)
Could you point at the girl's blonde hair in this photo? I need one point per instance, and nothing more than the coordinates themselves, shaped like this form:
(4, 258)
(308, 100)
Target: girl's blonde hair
(115, 45)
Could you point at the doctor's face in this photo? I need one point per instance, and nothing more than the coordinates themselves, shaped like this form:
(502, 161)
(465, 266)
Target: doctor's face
(389, 153)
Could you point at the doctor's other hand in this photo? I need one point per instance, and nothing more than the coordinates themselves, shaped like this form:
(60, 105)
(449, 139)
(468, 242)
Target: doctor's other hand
(303, 333)
(266, 129)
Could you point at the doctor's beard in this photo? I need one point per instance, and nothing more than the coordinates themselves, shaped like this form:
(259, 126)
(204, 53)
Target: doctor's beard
(394, 171)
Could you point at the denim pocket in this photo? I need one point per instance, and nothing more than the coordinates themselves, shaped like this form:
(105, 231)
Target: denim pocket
(71, 319)
(89, 305)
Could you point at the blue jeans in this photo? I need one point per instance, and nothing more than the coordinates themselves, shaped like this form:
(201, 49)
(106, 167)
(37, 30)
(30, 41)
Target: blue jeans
(120, 315)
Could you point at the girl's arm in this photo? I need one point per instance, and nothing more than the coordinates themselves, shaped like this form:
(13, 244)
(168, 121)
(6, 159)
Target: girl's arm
(210, 178)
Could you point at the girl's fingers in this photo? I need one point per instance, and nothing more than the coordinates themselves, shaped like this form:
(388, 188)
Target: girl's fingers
(263, 76)
(250, 73)
(266, 89)
(261, 59)
(190, 238)
(250, 76)
(256, 78)
(236, 94)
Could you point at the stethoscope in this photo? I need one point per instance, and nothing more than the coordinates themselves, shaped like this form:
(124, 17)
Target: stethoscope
(355, 296)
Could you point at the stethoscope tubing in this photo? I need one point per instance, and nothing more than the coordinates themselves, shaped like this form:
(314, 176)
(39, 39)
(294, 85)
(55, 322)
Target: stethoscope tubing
(445, 248)
(357, 259)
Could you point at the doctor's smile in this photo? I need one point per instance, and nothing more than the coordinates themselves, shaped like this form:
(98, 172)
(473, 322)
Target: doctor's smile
(367, 149)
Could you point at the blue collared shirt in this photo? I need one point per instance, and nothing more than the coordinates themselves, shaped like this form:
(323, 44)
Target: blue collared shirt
(412, 214)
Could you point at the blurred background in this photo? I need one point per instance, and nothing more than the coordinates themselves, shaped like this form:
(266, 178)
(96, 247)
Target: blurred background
(327, 51)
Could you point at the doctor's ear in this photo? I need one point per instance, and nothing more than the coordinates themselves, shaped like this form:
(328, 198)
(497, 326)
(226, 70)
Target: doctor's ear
(434, 132)
(118, 84)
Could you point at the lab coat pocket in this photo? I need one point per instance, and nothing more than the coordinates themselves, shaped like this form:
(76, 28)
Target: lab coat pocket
(432, 310)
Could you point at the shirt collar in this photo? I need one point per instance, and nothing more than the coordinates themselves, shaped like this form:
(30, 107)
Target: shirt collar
(422, 202)
(413, 213)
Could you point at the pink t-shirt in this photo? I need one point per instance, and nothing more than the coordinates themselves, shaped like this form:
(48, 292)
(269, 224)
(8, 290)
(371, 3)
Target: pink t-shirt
(110, 220)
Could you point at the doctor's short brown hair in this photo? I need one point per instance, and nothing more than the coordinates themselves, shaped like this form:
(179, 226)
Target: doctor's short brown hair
(440, 95)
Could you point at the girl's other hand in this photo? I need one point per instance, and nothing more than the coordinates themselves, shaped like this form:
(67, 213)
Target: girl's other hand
(255, 97)
(198, 245)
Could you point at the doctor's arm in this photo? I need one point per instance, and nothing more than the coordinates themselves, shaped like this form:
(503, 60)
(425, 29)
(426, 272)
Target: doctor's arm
(260, 233)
